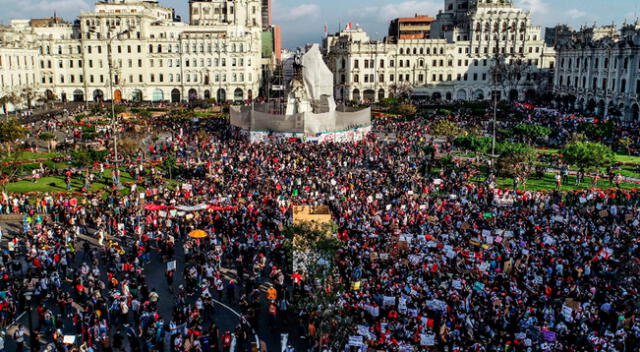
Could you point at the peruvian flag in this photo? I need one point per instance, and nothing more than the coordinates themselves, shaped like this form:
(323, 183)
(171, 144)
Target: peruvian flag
(349, 26)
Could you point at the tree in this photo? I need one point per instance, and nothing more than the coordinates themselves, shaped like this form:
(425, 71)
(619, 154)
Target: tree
(10, 132)
(473, 144)
(531, 133)
(587, 155)
(402, 91)
(516, 160)
(507, 75)
(9, 98)
(597, 131)
(170, 164)
(28, 95)
(626, 142)
(128, 146)
(48, 138)
(445, 128)
(313, 252)
(47, 98)
(87, 157)
(407, 110)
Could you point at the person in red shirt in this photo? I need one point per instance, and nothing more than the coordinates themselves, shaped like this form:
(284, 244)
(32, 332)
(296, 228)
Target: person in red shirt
(226, 341)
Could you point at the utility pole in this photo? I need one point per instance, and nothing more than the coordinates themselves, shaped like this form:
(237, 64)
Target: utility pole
(114, 119)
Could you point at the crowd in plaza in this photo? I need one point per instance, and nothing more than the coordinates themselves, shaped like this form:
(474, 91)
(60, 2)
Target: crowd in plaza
(426, 262)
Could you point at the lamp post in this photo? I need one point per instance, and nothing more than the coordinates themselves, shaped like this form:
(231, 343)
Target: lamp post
(114, 119)
(495, 89)
(27, 296)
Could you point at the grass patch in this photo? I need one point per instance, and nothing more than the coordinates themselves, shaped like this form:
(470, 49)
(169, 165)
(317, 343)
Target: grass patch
(548, 183)
(50, 184)
(627, 159)
(29, 155)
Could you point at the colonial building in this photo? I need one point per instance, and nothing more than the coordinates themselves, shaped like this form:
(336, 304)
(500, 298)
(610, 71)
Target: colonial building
(153, 56)
(454, 63)
(599, 70)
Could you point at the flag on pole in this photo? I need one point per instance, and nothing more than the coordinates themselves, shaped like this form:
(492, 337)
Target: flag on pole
(326, 30)
(349, 26)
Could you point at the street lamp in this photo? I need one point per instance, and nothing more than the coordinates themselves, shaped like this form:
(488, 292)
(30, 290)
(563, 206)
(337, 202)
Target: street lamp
(113, 108)
(114, 119)
(27, 296)
(495, 89)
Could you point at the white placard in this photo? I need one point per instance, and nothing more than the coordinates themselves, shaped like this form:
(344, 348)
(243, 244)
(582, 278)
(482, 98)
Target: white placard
(427, 339)
(388, 301)
(356, 341)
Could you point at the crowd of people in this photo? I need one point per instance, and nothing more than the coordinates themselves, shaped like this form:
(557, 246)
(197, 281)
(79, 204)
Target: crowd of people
(425, 262)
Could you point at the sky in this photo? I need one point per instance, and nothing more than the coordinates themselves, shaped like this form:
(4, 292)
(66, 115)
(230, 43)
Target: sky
(303, 21)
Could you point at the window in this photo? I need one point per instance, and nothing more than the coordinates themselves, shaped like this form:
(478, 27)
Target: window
(356, 78)
(356, 64)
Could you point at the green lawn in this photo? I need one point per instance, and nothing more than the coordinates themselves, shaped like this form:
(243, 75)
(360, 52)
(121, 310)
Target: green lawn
(49, 184)
(620, 158)
(548, 183)
(627, 159)
(548, 151)
(58, 184)
(28, 155)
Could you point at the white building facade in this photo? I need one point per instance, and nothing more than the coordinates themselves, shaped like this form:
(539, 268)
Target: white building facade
(598, 71)
(454, 64)
(154, 56)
